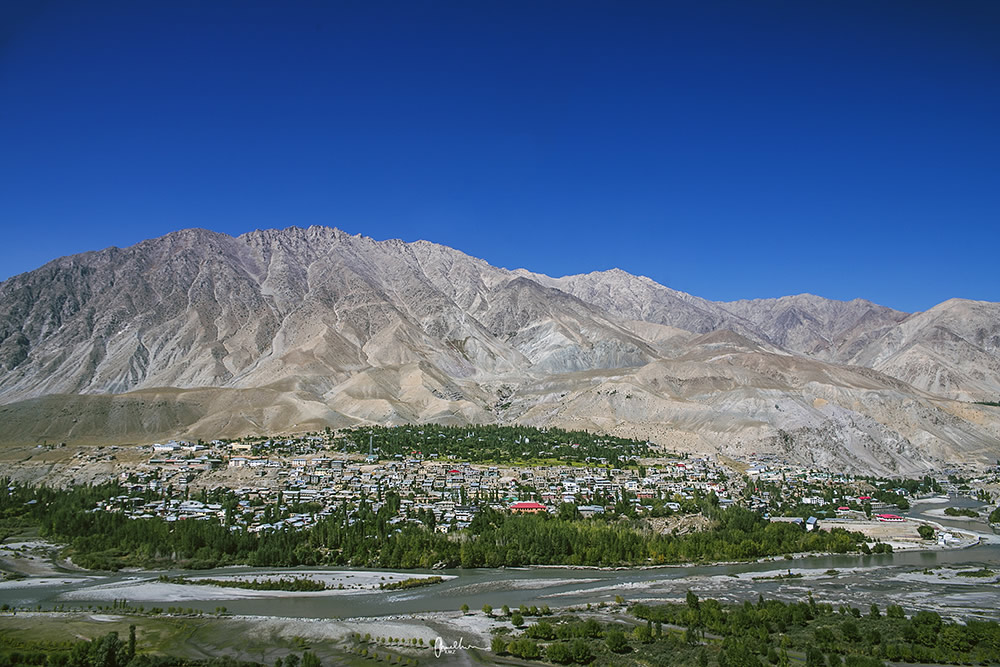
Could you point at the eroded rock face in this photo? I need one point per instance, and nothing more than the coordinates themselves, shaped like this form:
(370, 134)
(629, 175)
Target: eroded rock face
(201, 334)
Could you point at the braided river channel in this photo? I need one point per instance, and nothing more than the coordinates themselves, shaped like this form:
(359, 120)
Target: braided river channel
(915, 579)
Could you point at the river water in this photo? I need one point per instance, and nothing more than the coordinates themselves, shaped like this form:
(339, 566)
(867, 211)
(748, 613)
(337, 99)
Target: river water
(916, 580)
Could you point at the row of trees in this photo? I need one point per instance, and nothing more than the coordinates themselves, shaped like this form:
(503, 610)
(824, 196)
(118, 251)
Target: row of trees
(815, 630)
(363, 536)
(737, 534)
(770, 632)
(492, 443)
(110, 651)
(106, 651)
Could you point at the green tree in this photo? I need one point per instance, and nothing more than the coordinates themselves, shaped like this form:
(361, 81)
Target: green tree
(568, 512)
(643, 634)
(814, 657)
(130, 652)
(524, 648)
(824, 636)
(738, 654)
(541, 630)
(108, 651)
(616, 642)
(560, 653)
(581, 651)
(849, 630)
(498, 645)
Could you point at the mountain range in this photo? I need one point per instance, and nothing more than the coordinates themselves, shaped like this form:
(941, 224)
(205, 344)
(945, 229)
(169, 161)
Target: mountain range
(199, 334)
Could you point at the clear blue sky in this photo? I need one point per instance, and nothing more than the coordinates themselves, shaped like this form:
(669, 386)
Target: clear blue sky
(728, 149)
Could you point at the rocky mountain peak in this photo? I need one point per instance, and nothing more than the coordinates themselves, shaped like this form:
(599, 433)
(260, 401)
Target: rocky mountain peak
(200, 334)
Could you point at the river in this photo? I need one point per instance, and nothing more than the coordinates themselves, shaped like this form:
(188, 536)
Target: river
(916, 580)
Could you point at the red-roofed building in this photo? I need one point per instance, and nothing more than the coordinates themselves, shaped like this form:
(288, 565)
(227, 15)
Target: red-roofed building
(527, 508)
(889, 517)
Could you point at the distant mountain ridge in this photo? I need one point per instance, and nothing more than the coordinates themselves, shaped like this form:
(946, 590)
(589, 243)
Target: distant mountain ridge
(198, 334)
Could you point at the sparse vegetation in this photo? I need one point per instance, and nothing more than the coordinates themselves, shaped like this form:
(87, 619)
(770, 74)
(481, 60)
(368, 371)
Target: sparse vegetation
(963, 511)
(413, 582)
(980, 573)
(300, 584)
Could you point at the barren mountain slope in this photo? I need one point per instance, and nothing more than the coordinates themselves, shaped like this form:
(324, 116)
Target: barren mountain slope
(152, 415)
(811, 324)
(199, 335)
(725, 395)
(195, 309)
(640, 298)
(182, 310)
(951, 350)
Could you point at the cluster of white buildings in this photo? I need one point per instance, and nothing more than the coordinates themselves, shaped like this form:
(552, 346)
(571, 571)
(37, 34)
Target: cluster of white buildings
(450, 491)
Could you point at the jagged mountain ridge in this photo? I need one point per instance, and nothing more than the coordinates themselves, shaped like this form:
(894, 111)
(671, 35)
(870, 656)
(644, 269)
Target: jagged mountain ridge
(205, 309)
(813, 325)
(300, 328)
